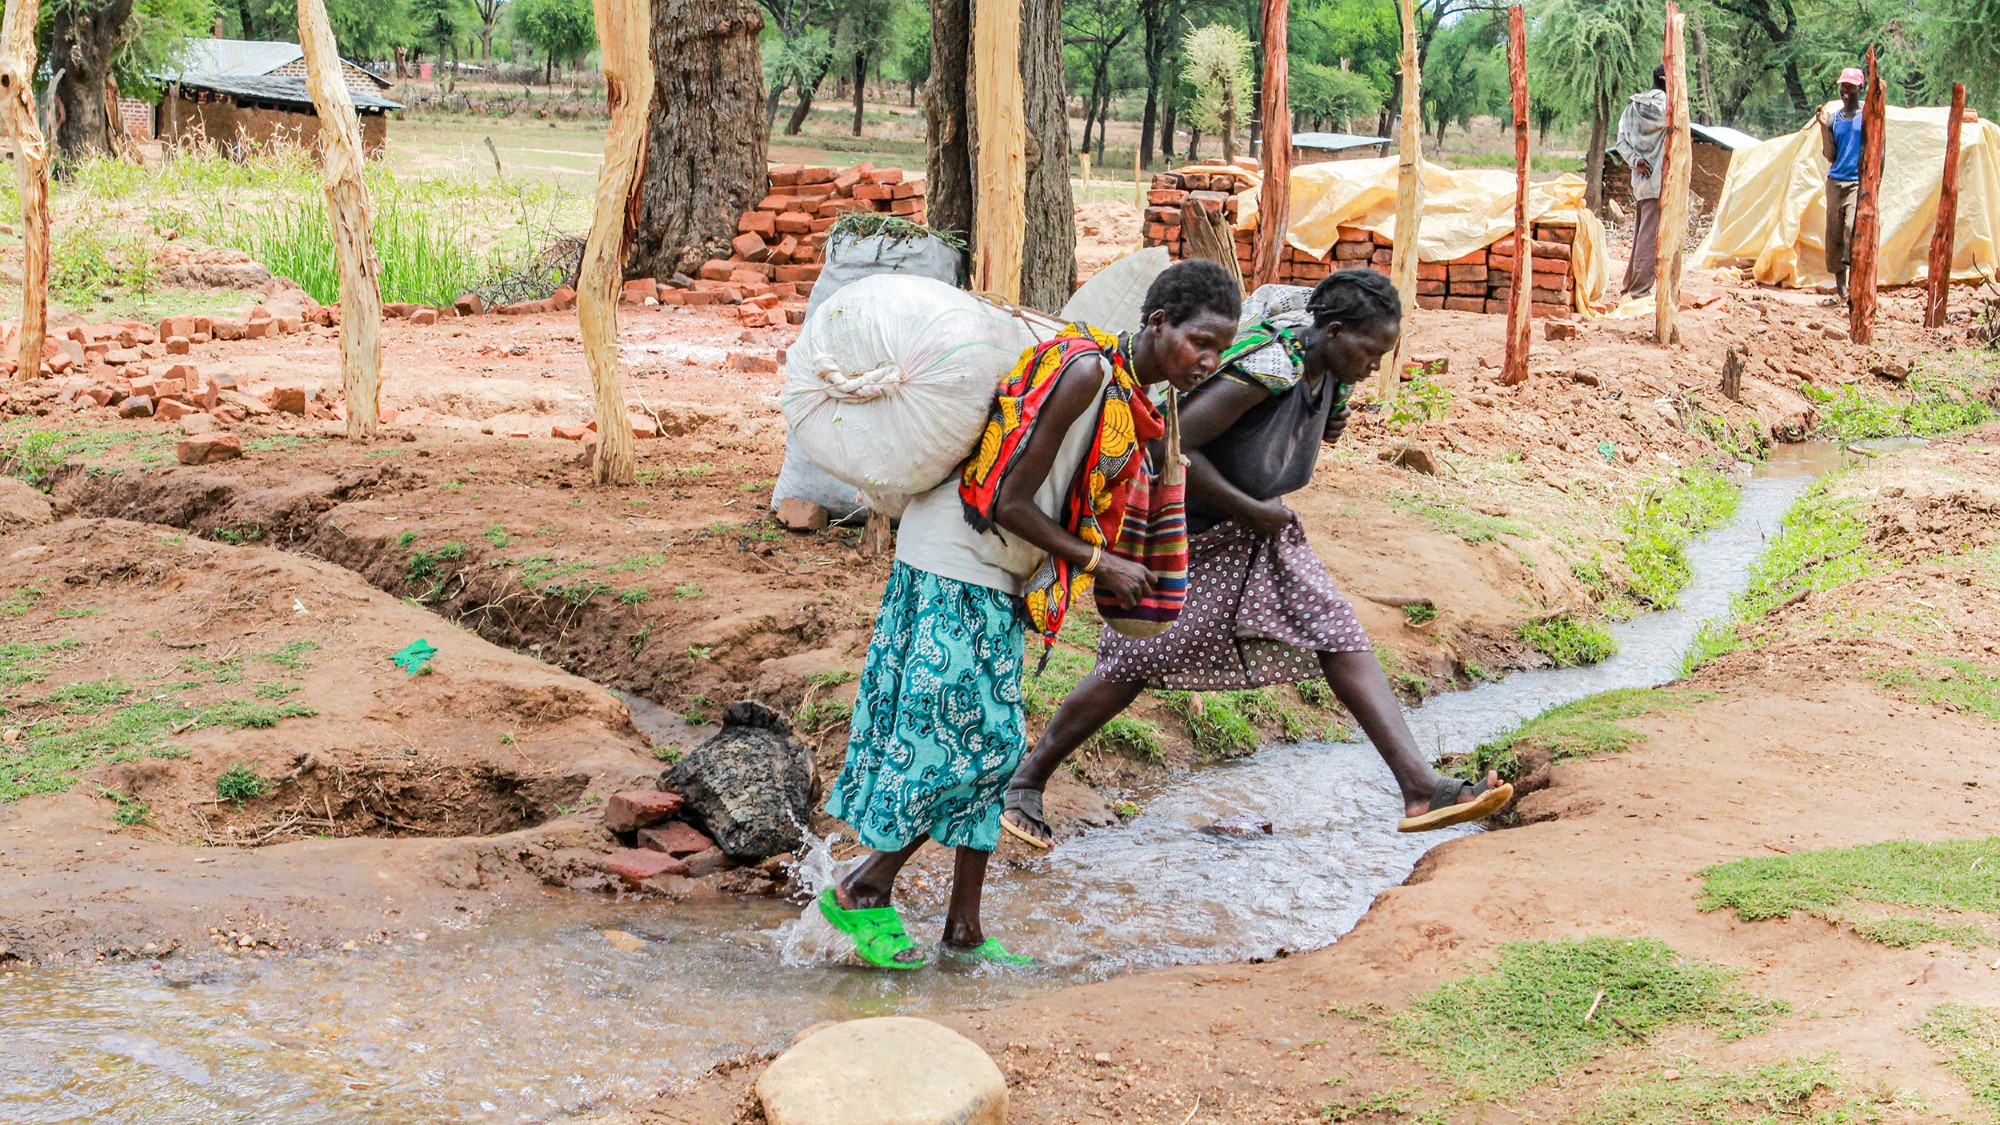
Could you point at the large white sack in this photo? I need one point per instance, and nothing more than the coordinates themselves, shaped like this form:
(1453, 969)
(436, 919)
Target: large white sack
(892, 377)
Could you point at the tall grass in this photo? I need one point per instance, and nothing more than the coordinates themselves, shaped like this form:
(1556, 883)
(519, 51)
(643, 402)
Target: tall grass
(425, 257)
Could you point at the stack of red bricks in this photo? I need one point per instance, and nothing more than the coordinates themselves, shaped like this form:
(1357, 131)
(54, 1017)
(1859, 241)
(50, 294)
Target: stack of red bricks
(1174, 191)
(776, 254)
(1477, 282)
(142, 372)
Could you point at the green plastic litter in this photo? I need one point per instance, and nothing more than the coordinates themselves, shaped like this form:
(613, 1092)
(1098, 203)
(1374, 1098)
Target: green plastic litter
(415, 656)
(1607, 451)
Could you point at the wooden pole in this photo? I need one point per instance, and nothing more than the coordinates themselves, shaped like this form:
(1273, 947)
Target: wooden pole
(1937, 278)
(1867, 240)
(1274, 199)
(1083, 162)
(624, 30)
(1000, 164)
(1677, 168)
(1515, 370)
(31, 165)
(1409, 199)
(353, 233)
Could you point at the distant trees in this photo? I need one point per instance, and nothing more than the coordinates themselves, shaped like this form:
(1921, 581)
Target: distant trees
(559, 29)
(1590, 55)
(101, 47)
(1217, 72)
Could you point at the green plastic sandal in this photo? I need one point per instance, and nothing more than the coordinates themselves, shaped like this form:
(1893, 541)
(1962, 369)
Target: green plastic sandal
(992, 952)
(877, 932)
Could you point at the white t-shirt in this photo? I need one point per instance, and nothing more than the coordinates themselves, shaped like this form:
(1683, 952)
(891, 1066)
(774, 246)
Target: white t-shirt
(934, 536)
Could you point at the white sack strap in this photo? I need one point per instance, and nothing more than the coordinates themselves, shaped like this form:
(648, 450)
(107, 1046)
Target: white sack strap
(861, 386)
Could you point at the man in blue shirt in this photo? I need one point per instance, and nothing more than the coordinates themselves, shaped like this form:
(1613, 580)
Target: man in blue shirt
(1840, 137)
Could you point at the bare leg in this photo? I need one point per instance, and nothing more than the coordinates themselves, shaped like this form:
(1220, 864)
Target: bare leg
(961, 921)
(1091, 704)
(869, 885)
(1358, 682)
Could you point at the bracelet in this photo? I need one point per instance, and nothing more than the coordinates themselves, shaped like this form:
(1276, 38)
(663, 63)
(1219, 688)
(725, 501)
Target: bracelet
(1096, 556)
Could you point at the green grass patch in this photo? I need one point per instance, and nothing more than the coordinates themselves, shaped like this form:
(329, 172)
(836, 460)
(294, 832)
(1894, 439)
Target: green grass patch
(498, 536)
(1580, 729)
(1215, 724)
(1803, 1091)
(34, 452)
(52, 754)
(1660, 523)
(1570, 642)
(1494, 1034)
(1944, 877)
(240, 783)
(1822, 545)
(1422, 613)
(636, 562)
(1133, 737)
(686, 591)
(26, 662)
(1942, 396)
(1970, 687)
(425, 564)
(1448, 518)
(1969, 1037)
(820, 714)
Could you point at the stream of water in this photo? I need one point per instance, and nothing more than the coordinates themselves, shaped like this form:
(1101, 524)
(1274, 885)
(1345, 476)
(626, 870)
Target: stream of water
(551, 1007)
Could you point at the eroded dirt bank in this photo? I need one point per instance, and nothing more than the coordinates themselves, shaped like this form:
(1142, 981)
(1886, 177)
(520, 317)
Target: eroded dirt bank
(1859, 706)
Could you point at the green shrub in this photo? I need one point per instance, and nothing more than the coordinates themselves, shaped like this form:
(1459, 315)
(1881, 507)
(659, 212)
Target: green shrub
(240, 783)
(1570, 642)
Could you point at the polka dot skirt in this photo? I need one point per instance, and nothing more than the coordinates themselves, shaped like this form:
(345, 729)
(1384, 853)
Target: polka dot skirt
(1259, 611)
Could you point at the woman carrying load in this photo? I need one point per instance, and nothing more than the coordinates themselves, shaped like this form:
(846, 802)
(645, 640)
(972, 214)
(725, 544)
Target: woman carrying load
(937, 728)
(1260, 608)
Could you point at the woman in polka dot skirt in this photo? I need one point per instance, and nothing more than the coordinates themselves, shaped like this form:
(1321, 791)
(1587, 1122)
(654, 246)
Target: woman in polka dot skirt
(1260, 607)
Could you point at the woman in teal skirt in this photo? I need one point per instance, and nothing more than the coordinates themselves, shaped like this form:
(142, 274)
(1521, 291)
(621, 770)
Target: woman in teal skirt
(938, 726)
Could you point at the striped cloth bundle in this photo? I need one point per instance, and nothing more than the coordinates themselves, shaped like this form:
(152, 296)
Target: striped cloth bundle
(1154, 535)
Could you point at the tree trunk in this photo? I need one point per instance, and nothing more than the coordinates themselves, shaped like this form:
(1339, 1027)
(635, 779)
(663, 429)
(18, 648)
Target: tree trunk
(348, 211)
(1000, 133)
(549, 71)
(628, 87)
(947, 129)
(1514, 369)
(1867, 212)
(771, 101)
(1937, 272)
(1409, 194)
(31, 166)
(1169, 119)
(83, 39)
(1147, 122)
(1593, 159)
(1048, 269)
(1228, 120)
(1274, 199)
(1674, 176)
(806, 89)
(860, 87)
(1103, 121)
(705, 141)
(1153, 14)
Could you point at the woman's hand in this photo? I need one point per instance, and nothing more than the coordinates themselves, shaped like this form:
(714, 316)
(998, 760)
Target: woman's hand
(1336, 425)
(1266, 518)
(1122, 580)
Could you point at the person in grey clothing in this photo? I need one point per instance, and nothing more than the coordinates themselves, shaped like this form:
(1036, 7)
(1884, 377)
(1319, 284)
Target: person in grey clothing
(1642, 144)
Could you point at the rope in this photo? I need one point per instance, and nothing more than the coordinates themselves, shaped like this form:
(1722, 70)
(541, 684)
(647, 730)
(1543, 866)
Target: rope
(861, 386)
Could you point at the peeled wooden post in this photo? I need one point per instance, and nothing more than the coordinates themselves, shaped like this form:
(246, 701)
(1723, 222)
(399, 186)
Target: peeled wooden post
(1676, 169)
(1937, 278)
(1409, 198)
(1867, 240)
(1515, 369)
(1274, 199)
(31, 164)
(624, 29)
(353, 233)
(1000, 164)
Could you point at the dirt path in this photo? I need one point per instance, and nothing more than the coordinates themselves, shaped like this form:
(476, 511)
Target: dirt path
(1817, 736)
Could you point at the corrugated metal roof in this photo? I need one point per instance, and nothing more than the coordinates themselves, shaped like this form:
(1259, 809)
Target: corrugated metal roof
(1335, 142)
(286, 91)
(1723, 135)
(232, 58)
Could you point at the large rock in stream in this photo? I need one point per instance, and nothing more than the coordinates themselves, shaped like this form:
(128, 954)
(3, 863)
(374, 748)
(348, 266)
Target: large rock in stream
(750, 785)
(889, 1071)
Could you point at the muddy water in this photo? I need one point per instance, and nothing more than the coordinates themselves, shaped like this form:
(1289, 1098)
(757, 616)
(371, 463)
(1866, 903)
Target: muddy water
(546, 1010)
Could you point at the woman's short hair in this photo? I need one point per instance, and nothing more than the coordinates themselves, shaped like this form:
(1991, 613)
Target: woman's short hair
(1190, 288)
(1355, 297)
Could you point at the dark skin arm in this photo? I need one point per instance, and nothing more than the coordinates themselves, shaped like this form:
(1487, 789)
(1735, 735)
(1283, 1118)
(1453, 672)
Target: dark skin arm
(1826, 136)
(1015, 511)
(1205, 416)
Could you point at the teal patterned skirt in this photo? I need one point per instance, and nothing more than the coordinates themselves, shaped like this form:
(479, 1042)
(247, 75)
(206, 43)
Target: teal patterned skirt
(937, 727)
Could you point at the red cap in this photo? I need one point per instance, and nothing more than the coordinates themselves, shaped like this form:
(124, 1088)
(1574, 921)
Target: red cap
(1853, 76)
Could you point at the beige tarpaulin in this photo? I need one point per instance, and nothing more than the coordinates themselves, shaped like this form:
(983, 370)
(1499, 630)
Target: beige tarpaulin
(1463, 211)
(1772, 213)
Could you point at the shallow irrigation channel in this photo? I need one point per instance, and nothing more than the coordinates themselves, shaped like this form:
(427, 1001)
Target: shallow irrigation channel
(561, 1004)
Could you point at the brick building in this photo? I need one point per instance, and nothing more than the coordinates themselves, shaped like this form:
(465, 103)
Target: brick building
(242, 96)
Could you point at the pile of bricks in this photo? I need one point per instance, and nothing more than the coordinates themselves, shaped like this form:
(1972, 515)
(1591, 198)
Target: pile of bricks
(1477, 282)
(776, 254)
(1174, 191)
(658, 850)
(138, 370)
